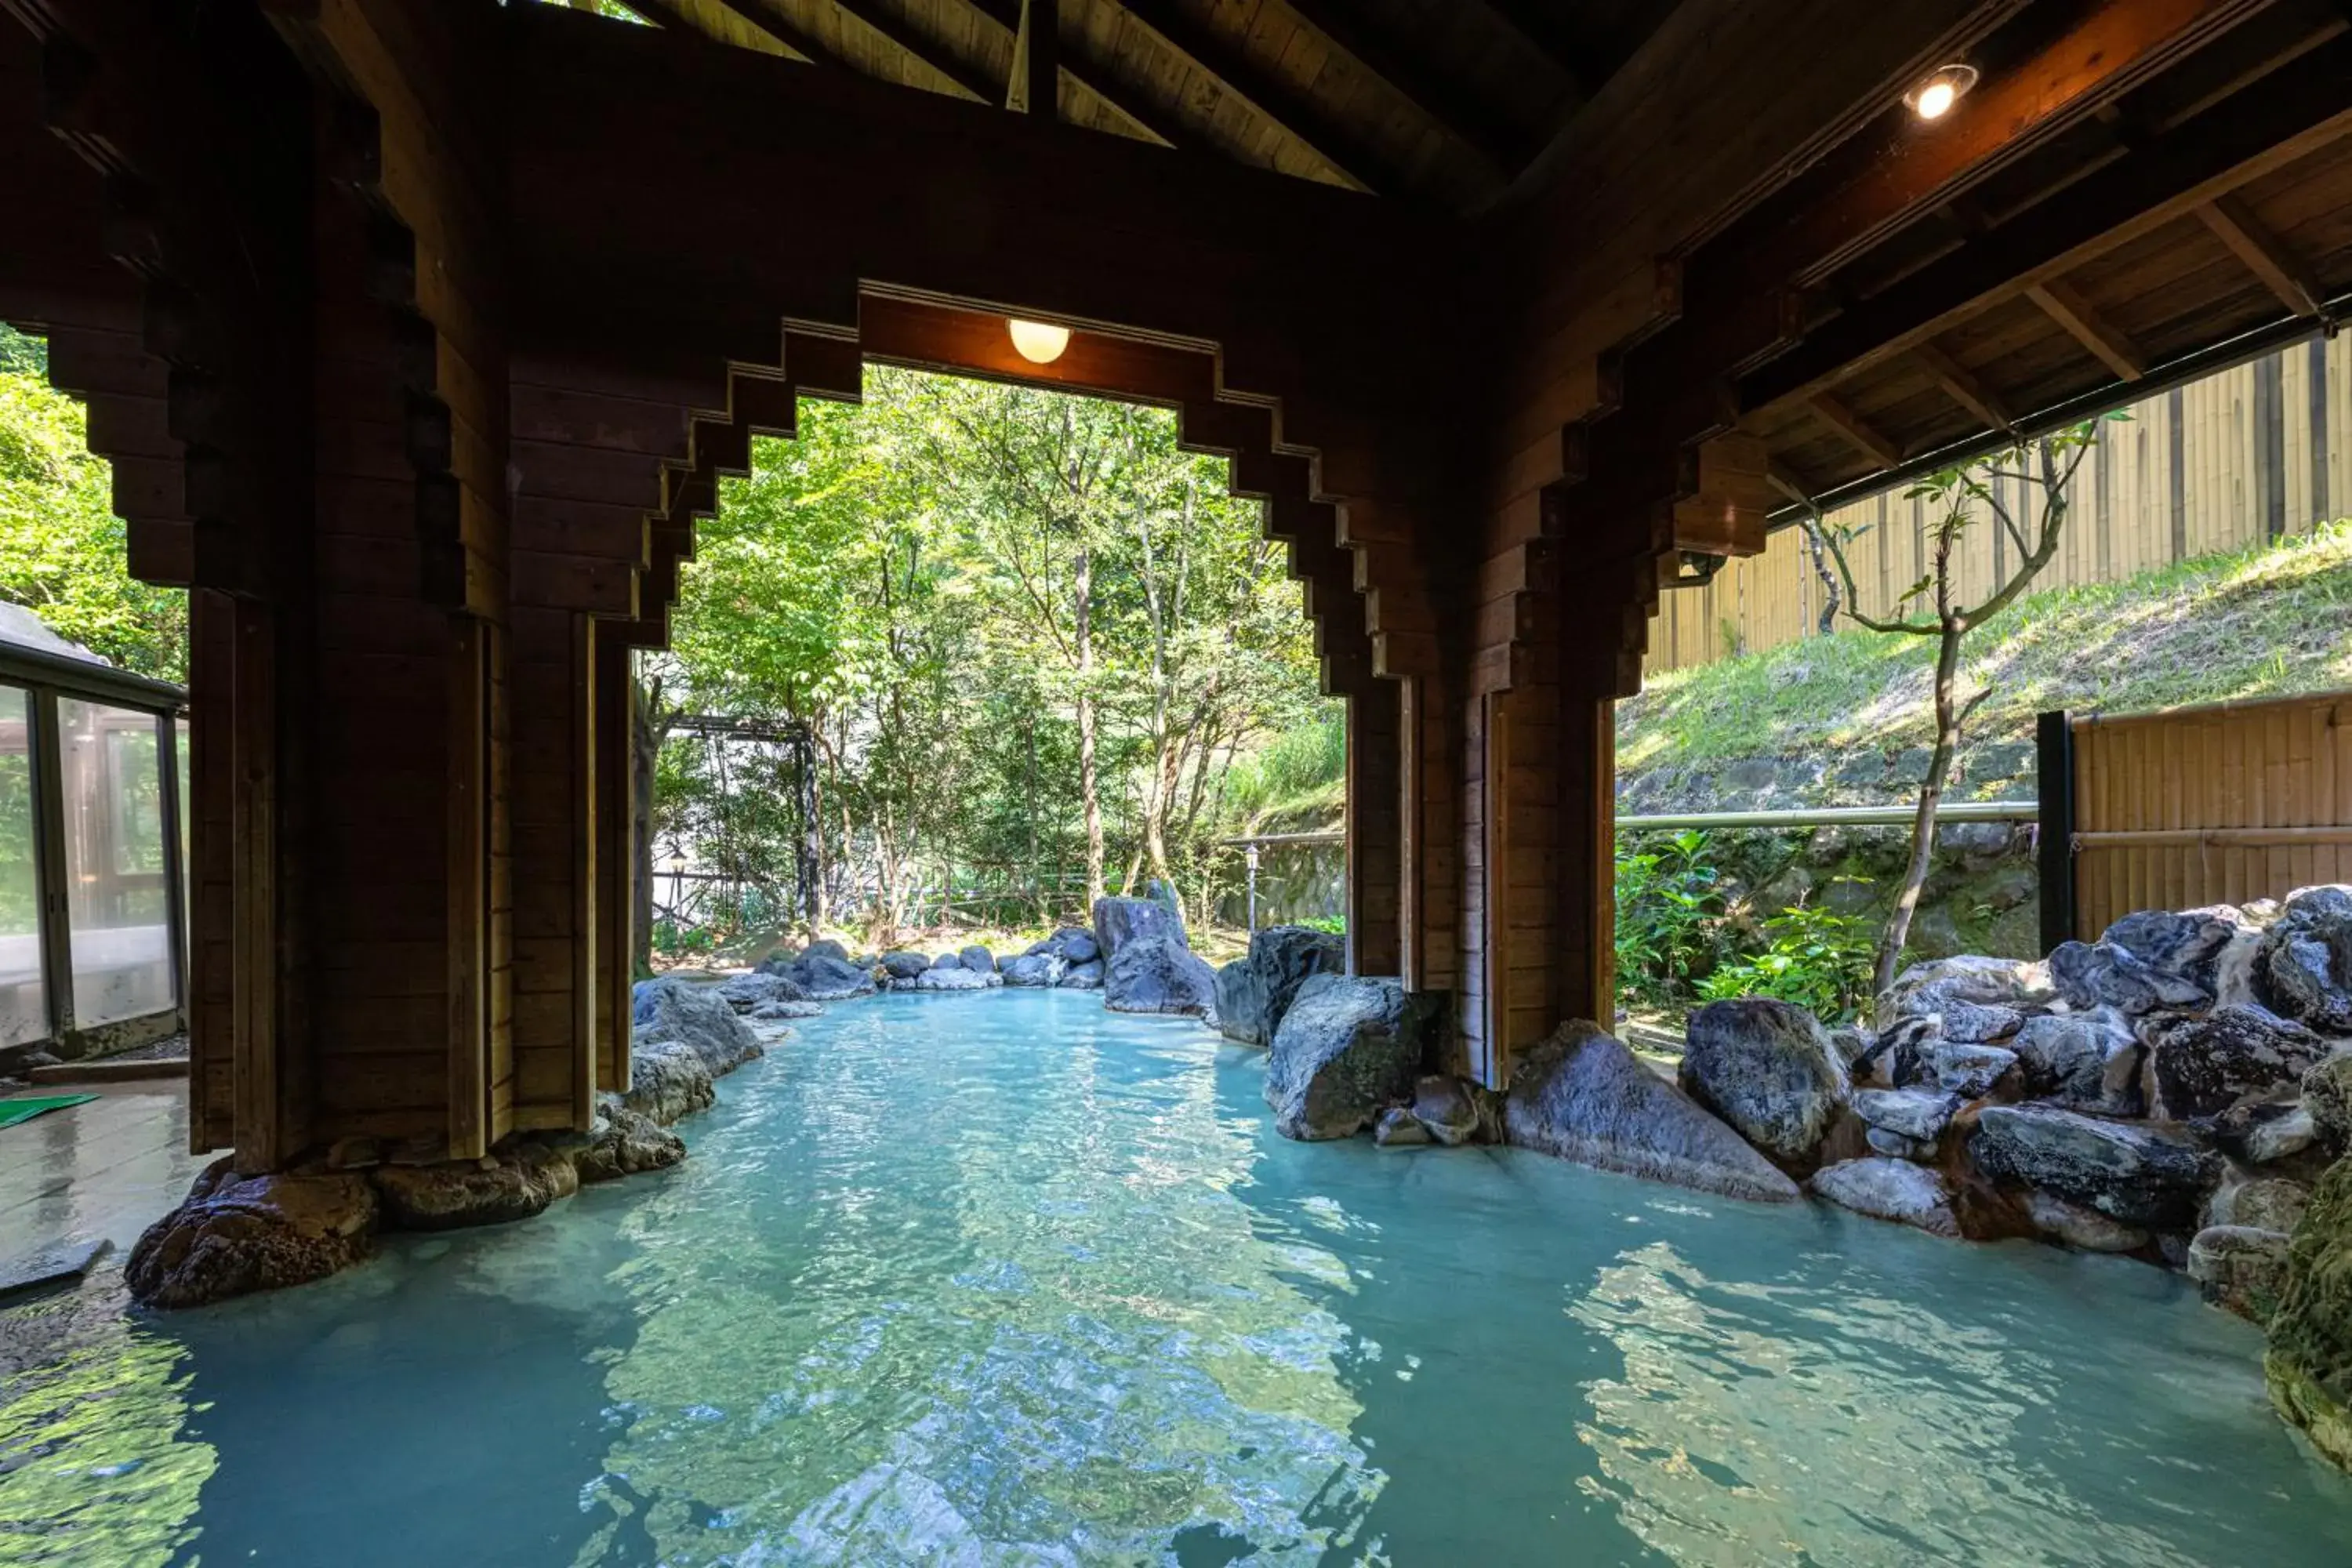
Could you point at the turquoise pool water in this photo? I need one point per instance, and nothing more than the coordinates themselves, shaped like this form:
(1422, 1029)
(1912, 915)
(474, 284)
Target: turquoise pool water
(1008, 1279)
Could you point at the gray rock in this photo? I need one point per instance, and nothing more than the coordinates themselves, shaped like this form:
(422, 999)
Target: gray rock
(2147, 1176)
(670, 1008)
(2089, 1061)
(780, 960)
(2205, 1064)
(620, 1143)
(1087, 976)
(1911, 1113)
(2002, 760)
(1887, 1189)
(1768, 1069)
(1251, 1001)
(2106, 975)
(748, 992)
(1035, 969)
(2239, 1269)
(513, 1183)
(1072, 944)
(1397, 1127)
(1895, 1146)
(977, 959)
(2278, 1137)
(1970, 1071)
(953, 977)
(2187, 946)
(2303, 967)
(1347, 1048)
(1581, 1095)
(2084, 1229)
(232, 1234)
(1977, 1023)
(1449, 1107)
(1159, 975)
(1926, 988)
(1852, 1042)
(57, 1263)
(667, 1079)
(828, 948)
(779, 1012)
(902, 965)
(2327, 1096)
(826, 978)
(2265, 1203)
(948, 960)
(1118, 921)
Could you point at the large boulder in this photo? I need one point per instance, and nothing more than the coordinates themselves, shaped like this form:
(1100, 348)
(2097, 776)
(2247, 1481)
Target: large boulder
(901, 964)
(1072, 944)
(1767, 1067)
(1253, 997)
(671, 1009)
(1929, 988)
(2148, 1176)
(2104, 974)
(977, 959)
(2204, 1064)
(1970, 1071)
(2084, 1229)
(2265, 1203)
(1455, 1111)
(234, 1233)
(1918, 1115)
(827, 948)
(2303, 967)
(621, 1143)
(754, 989)
(1580, 1094)
(2241, 1268)
(1087, 976)
(2187, 946)
(667, 1079)
(1118, 921)
(1894, 1190)
(1347, 1048)
(2310, 1361)
(511, 1184)
(1035, 969)
(1159, 975)
(2087, 1061)
(953, 977)
(828, 978)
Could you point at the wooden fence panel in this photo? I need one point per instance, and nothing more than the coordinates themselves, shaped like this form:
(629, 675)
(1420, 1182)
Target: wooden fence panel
(2213, 804)
(2243, 456)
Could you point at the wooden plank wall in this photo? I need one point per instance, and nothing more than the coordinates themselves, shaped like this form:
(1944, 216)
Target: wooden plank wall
(2261, 450)
(2220, 804)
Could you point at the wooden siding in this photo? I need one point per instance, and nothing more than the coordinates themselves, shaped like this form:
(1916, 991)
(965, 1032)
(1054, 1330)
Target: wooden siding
(2221, 803)
(2247, 454)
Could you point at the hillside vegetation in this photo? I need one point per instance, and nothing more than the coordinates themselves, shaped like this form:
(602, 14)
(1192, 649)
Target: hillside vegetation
(2259, 623)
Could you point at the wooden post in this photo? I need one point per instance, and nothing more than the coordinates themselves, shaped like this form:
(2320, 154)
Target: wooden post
(1375, 828)
(468, 895)
(2054, 753)
(615, 836)
(587, 948)
(50, 818)
(1041, 63)
(1586, 974)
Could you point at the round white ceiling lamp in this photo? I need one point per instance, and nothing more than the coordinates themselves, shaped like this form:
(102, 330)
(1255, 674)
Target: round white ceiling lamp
(1933, 98)
(1039, 342)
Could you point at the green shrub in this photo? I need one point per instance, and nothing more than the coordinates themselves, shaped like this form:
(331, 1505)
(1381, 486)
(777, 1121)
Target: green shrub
(1815, 958)
(1670, 921)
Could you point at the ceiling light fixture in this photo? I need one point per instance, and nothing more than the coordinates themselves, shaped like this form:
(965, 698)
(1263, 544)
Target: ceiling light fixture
(1933, 97)
(1039, 342)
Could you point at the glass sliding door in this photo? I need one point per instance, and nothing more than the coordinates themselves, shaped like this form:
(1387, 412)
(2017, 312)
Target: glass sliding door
(117, 897)
(23, 1000)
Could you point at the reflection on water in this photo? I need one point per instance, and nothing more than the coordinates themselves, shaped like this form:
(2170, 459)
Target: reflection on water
(1008, 1279)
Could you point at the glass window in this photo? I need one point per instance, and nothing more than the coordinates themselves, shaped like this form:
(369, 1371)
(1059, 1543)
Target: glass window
(24, 1004)
(115, 891)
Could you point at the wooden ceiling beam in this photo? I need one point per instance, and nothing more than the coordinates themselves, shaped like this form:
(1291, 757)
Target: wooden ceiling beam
(765, 20)
(2265, 255)
(1858, 432)
(1781, 476)
(1540, 26)
(2290, 113)
(1126, 101)
(1466, 116)
(967, 79)
(1271, 99)
(2113, 347)
(1961, 387)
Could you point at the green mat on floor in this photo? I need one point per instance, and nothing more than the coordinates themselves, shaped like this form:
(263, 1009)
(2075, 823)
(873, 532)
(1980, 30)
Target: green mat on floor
(12, 1111)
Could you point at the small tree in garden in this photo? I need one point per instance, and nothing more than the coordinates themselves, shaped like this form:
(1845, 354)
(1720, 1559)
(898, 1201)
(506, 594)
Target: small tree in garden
(1962, 498)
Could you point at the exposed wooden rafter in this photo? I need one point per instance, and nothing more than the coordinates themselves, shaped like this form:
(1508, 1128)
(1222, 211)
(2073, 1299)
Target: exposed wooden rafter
(759, 20)
(1962, 386)
(1467, 117)
(1540, 25)
(1339, 147)
(1858, 432)
(968, 77)
(2064, 304)
(2281, 270)
(1131, 104)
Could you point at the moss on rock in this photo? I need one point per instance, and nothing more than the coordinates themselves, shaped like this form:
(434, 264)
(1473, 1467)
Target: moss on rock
(2309, 1366)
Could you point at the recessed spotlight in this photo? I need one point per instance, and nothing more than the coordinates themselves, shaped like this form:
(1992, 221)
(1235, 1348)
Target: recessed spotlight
(1933, 98)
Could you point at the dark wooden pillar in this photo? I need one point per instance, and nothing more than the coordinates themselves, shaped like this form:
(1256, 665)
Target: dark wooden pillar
(1375, 829)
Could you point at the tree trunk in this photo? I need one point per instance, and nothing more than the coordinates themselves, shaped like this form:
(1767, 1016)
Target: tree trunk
(1090, 785)
(1813, 546)
(648, 727)
(1931, 794)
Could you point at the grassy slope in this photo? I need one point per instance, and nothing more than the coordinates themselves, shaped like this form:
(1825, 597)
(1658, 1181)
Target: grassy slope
(2262, 623)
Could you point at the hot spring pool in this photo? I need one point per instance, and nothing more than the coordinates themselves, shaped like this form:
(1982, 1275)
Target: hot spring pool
(1008, 1279)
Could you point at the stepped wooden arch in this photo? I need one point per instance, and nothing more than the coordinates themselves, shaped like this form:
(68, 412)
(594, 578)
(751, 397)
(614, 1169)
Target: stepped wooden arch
(420, 333)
